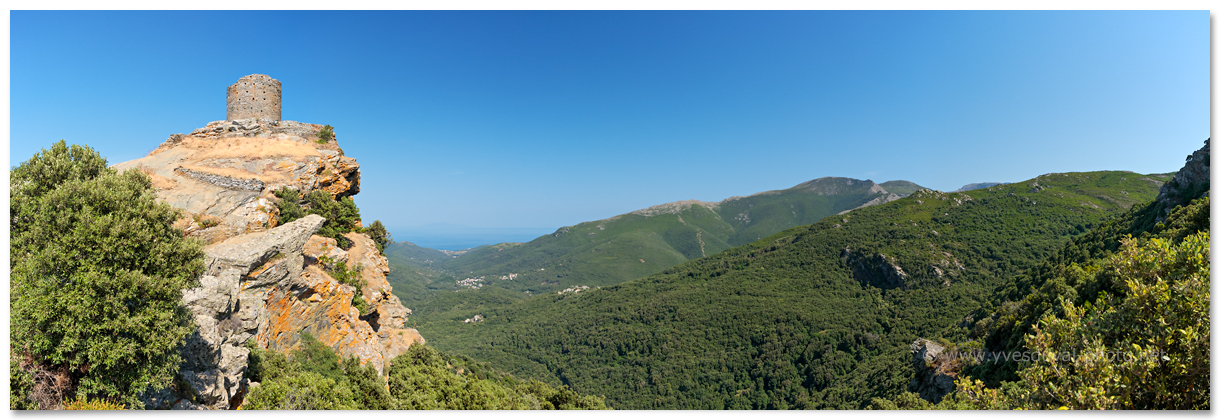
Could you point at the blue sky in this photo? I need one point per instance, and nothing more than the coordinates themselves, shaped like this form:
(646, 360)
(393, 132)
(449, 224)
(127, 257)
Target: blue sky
(539, 120)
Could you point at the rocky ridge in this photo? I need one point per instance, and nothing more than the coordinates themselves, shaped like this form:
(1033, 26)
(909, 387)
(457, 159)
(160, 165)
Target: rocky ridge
(1190, 182)
(266, 285)
(227, 171)
(935, 370)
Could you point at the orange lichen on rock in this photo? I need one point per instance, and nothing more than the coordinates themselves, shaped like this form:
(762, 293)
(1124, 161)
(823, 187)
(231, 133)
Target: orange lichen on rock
(324, 309)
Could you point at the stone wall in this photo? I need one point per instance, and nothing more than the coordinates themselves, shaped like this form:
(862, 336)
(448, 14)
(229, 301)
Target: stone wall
(254, 96)
(222, 180)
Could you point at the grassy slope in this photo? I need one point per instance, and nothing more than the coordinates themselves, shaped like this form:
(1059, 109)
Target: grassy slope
(781, 322)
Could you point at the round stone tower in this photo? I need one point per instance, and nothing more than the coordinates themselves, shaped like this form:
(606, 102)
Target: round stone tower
(254, 96)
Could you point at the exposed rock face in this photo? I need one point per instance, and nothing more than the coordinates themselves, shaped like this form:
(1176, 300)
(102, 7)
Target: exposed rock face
(881, 199)
(935, 371)
(877, 270)
(1191, 182)
(228, 310)
(265, 284)
(229, 169)
(269, 286)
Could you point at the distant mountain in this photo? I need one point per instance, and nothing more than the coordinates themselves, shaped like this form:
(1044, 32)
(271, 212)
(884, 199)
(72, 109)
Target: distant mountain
(642, 242)
(979, 186)
(416, 254)
(817, 316)
(902, 188)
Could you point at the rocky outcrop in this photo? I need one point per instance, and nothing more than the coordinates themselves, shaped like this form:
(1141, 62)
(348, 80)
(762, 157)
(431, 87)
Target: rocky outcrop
(935, 370)
(270, 288)
(228, 310)
(229, 169)
(253, 127)
(877, 270)
(265, 284)
(880, 199)
(1191, 182)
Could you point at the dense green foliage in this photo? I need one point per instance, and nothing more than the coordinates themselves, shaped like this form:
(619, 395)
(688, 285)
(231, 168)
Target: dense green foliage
(314, 378)
(341, 215)
(611, 251)
(1092, 298)
(97, 277)
(1145, 347)
(1158, 334)
(1073, 275)
(415, 274)
(633, 245)
(793, 320)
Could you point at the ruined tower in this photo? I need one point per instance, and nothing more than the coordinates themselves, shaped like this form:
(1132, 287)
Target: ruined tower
(254, 96)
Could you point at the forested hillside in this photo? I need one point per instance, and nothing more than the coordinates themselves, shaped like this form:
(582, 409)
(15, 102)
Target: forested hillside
(817, 316)
(439, 284)
(632, 245)
(1135, 289)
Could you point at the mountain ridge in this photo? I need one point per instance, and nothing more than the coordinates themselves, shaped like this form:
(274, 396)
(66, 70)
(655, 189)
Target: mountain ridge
(752, 327)
(660, 236)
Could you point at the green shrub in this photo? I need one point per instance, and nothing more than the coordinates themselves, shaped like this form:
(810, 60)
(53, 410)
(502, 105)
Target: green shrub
(424, 378)
(97, 404)
(98, 272)
(20, 383)
(326, 134)
(289, 205)
(340, 272)
(301, 391)
(341, 215)
(1147, 347)
(379, 235)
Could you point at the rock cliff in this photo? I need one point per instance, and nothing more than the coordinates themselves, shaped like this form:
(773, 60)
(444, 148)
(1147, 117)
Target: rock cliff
(223, 175)
(1191, 182)
(265, 284)
(935, 370)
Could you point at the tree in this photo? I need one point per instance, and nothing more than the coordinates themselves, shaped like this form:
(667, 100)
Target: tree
(341, 215)
(379, 235)
(97, 275)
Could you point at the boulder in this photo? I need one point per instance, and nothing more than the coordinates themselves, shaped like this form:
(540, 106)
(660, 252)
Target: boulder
(935, 370)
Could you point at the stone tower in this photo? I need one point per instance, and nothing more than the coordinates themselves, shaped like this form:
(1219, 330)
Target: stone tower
(254, 96)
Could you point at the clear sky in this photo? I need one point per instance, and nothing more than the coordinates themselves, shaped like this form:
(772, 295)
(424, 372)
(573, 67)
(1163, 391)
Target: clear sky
(545, 119)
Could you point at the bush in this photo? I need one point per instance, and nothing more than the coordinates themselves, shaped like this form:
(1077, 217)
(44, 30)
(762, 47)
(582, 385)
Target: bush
(341, 215)
(378, 234)
(1147, 347)
(301, 391)
(289, 205)
(326, 134)
(340, 272)
(311, 379)
(87, 404)
(424, 378)
(97, 276)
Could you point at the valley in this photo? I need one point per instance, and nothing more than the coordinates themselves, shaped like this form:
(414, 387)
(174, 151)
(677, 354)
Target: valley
(817, 315)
